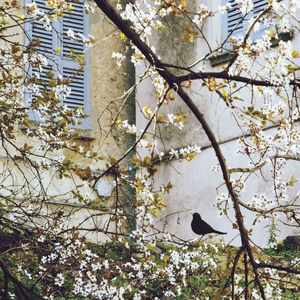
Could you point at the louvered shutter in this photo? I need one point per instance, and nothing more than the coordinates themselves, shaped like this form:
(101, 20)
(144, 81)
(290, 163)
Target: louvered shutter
(77, 84)
(39, 32)
(61, 63)
(43, 79)
(259, 6)
(76, 21)
(42, 83)
(234, 19)
(235, 25)
(47, 44)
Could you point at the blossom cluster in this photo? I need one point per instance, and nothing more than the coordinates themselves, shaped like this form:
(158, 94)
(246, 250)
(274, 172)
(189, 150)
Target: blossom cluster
(76, 271)
(245, 6)
(176, 120)
(187, 153)
(124, 125)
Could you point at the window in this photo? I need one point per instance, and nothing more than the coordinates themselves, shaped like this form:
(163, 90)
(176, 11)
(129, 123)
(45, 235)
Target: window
(235, 23)
(57, 47)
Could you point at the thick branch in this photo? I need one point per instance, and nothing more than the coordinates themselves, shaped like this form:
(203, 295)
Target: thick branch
(171, 80)
(222, 75)
(27, 293)
(226, 76)
(279, 268)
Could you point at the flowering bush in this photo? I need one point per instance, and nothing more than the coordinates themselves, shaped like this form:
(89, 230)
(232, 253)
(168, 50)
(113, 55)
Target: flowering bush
(120, 270)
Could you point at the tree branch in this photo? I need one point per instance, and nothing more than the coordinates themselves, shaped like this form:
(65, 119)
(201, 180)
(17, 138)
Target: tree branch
(279, 268)
(125, 27)
(26, 292)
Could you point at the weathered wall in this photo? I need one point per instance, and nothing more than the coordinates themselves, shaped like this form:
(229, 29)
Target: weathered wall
(107, 86)
(195, 184)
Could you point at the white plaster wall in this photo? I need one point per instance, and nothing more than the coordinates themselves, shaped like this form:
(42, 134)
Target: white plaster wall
(195, 190)
(195, 185)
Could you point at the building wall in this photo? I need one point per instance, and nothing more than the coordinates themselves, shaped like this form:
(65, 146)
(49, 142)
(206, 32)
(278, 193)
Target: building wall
(107, 86)
(195, 184)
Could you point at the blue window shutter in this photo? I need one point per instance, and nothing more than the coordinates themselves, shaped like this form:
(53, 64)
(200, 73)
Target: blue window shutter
(38, 31)
(61, 63)
(259, 6)
(70, 70)
(43, 75)
(77, 20)
(42, 80)
(234, 19)
(235, 25)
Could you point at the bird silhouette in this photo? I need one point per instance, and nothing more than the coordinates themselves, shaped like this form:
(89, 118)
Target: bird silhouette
(201, 227)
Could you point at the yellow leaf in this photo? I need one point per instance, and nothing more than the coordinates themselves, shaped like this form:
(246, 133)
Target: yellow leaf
(57, 50)
(151, 247)
(135, 160)
(52, 83)
(225, 94)
(80, 59)
(138, 183)
(271, 33)
(147, 111)
(70, 7)
(155, 211)
(180, 118)
(190, 156)
(122, 36)
(170, 96)
(49, 74)
(211, 84)
(22, 17)
(118, 122)
(147, 161)
(165, 258)
(295, 54)
(160, 119)
(292, 181)
(292, 68)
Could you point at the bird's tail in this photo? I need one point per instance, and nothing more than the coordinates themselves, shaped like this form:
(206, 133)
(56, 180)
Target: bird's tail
(219, 232)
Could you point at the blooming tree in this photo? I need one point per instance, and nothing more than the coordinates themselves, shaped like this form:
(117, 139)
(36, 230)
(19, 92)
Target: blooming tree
(42, 256)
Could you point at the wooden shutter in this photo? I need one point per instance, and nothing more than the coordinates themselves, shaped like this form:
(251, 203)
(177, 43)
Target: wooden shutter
(61, 63)
(235, 24)
(77, 85)
(78, 22)
(259, 6)
(75, 21)
(39, 32)
(234, 19)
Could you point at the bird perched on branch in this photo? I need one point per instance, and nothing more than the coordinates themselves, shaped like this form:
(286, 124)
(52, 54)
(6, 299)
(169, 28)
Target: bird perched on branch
(201, 227)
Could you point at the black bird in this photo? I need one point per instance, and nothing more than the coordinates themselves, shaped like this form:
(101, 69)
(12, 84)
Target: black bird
(201, 227)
